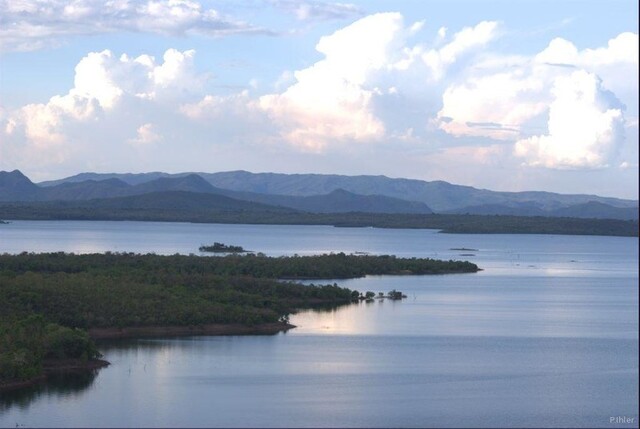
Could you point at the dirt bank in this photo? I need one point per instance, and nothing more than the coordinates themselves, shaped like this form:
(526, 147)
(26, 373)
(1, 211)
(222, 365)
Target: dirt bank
(170, 331)
(51, 366)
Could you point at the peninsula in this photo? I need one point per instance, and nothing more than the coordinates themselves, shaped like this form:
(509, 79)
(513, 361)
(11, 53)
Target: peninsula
(54, 304)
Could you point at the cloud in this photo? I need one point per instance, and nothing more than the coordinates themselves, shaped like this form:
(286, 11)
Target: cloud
(509, 98)
(466, 40)
(613, 63)
(378, 88)
(102, 84)
(331, 101)
(145, 134)
(318, 10)
(223, 108)
(584, 129)
(505, 100)
(31, 24)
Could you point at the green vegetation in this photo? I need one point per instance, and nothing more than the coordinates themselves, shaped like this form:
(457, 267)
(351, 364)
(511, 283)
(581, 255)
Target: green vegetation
(28, 342)
(119, 290)
(450, 223)
(46, 299)
(221, 248)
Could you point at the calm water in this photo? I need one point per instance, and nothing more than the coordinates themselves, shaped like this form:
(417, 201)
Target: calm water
(546, 335)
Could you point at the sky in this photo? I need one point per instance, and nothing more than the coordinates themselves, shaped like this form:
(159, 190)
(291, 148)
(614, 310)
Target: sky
(503, 95)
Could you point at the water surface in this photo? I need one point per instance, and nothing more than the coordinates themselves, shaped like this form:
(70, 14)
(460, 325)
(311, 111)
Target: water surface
(545, 336)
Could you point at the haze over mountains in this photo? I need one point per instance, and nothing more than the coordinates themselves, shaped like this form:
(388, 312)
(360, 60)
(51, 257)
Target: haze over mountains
(316, 193)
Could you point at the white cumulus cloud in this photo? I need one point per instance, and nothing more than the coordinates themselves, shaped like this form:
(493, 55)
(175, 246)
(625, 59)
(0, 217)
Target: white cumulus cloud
(102, 81)
(584, 129)
(332, 100)
(577, 96)
(466, 40)
(145, 134)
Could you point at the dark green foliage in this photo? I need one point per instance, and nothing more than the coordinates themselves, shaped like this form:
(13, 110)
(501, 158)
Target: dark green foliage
(221, 248)
(395, 295)
(61, 343)
(26, 342)
(451, 223)
(117, 290)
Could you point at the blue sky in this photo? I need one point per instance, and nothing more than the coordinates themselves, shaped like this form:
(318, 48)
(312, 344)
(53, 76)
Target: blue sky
(505, 95)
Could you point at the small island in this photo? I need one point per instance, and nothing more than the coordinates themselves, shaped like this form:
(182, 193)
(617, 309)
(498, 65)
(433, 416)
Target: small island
(394, 295)
(222, 248)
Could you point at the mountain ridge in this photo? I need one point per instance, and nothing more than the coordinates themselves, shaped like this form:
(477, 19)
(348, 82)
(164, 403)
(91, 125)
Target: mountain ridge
(317, 184)
(114, 187)
(322, 193)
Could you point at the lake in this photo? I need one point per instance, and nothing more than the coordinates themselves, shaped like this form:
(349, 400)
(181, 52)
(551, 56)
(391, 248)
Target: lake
(545, 336)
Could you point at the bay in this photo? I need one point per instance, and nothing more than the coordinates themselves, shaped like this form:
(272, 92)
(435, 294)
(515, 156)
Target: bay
(545, 336)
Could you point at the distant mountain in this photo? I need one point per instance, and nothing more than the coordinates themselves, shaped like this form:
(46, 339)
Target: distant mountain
(16, 186)
(188, 183)
(181, 201)
(129, 178)
(327, 193)
(590, 210)
(438, 195)
(338, 201)
(88, 189)
(594, 209)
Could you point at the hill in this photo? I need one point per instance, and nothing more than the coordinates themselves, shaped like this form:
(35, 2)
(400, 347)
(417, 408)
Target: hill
(164, 201)
(439, 196)
(338, 201)
(15, 186)
(99, 187)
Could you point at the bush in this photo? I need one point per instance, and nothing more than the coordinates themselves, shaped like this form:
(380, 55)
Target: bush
(67, 343)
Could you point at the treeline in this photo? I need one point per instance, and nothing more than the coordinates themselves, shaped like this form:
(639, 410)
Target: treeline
(118, 290)
(27, 342)
(451, 223)
(150, 266)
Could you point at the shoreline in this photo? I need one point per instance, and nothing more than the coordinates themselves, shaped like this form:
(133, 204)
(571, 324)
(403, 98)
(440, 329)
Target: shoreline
(532, 225)
(183, 331)
(77, 365)
(52, 366)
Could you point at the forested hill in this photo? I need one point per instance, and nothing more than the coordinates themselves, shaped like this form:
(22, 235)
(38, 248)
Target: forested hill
(15, 187)
(439, 196)
(313, 193)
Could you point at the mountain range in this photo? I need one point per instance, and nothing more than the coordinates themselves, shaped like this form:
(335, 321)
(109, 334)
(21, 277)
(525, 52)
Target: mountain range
(315, 193)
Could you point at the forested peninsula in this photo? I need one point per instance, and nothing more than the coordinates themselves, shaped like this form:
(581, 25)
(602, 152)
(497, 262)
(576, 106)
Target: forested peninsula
(52, 303)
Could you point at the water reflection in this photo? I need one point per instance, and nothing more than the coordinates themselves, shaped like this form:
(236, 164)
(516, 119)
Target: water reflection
(324, 308)
(66, 384)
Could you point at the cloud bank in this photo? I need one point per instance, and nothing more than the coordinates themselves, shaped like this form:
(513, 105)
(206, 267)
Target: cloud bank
(27, 25)
(378, 85)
